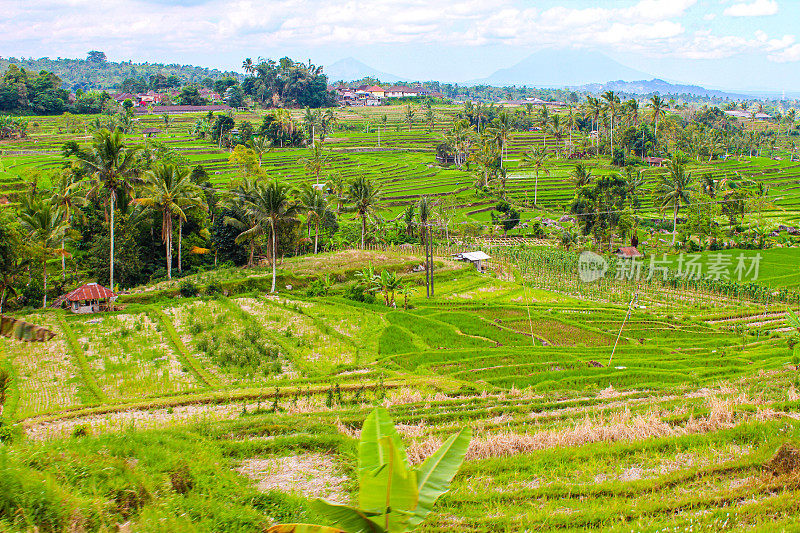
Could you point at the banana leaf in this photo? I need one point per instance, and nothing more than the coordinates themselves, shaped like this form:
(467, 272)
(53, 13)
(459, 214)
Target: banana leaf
(390, 491)
(350, 519)
(436, 473)
(303, 528)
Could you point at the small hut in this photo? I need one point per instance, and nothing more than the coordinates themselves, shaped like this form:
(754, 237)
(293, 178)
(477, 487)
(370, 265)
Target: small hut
(150, 132)
(655, 161)
(476, 258)
(89, 298)
(628, 252)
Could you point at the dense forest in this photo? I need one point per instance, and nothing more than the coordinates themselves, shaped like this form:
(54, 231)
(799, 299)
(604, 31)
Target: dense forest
(96, 72)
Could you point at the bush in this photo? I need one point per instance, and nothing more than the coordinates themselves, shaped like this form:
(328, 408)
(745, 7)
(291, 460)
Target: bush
(358, 294)
(214, 288)
(792, 341)
(187, 288)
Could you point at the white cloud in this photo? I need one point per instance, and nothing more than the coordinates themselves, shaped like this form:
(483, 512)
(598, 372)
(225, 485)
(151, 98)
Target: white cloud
(786, 55)
(133, 28)
(757, 8)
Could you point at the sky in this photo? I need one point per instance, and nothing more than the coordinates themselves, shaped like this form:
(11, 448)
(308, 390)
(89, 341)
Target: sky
(730, 44)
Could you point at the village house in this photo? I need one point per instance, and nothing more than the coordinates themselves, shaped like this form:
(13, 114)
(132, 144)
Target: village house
(89, 298)
(476, 258)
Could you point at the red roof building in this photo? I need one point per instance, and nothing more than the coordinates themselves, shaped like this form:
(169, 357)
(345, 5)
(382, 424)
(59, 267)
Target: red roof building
(89, 298)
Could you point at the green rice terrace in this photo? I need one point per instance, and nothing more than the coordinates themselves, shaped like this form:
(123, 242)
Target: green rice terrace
(260, 355)
(232, 412)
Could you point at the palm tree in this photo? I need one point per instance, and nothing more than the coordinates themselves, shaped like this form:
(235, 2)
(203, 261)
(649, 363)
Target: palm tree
(68, 197)
(535, 159)
(316, 205)
(261, 146)
(326, 123)
(111, 165)
(169, 191)
(675, 188)
(544, 120)
(310, 120)
(316, 161)
(571, 120)
(267, 205)
(611, 104)
(408, 115)
(430, 119)
(248, 67)
(365, 195)
(790, 118)
(557, 131)
(503, 128)
(284, 120)
(44, 225)
(581, 176)
(425, 207)
(592, 110)
(658, 109)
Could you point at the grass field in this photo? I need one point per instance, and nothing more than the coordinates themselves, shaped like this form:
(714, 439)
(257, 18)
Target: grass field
(270, 392)
(607, 406)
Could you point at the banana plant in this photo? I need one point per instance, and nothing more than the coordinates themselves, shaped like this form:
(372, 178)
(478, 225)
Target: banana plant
(792, 320)
(392, 495)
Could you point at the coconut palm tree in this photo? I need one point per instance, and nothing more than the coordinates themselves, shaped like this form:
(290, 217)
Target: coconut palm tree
(316, 161)
(557, 131)
(790, 118)
(658, 110)
(408, 115)
(111, 167)
(317, 208)
(248, 66)
(675, 188)
(503, 128)
(535, 158)
(284, 120)
(425, 208)
(365, 197)
(169, 191)
(592, 109)
(311, 120)
(544, 121)
(261, 146)
(69, 197)
(611, 103)
(267, 205)
(44, 225)
(581, 176)
(571, 120)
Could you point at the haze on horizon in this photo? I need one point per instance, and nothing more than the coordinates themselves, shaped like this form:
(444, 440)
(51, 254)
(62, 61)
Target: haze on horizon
(731, 44)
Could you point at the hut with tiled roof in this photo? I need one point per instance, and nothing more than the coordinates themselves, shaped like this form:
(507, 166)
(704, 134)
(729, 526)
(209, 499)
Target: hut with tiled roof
(89, 298)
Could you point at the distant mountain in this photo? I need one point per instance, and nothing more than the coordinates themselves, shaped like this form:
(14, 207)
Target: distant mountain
(559, 68)
(350, 69)
(656, 86)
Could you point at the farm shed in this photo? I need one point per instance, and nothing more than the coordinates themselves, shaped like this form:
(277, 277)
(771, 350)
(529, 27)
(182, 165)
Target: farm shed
(654, 161)
(476, 258)
(89, 298)
(150, 132)
(628, 252)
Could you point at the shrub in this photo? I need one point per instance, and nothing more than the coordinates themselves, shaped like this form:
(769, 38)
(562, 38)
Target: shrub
(187, 288)
(214, 288)
(359, 294)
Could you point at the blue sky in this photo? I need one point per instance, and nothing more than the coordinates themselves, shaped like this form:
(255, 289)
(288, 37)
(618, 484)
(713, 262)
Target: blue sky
(736, 44)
